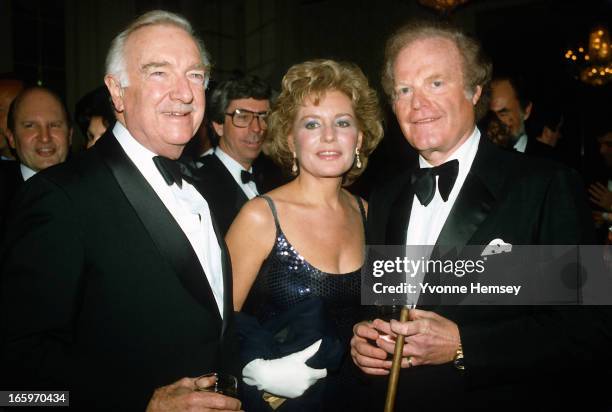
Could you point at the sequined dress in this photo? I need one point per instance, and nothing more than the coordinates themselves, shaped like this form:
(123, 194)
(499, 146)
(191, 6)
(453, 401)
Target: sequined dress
(285, 279)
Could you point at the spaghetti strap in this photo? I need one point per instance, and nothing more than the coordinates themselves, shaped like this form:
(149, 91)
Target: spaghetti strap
(362, 210)
(273, 209)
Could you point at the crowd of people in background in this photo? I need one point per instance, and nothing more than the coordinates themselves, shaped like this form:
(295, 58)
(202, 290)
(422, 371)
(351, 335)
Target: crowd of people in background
(152, 256)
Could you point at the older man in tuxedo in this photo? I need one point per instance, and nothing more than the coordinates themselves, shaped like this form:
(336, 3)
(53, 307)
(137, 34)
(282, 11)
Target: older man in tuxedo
(114, 281)
(465, 191)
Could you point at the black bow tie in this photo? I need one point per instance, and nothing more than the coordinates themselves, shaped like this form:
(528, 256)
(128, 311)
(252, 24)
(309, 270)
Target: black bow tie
(246, 177)
(174, 171)
(424, 181)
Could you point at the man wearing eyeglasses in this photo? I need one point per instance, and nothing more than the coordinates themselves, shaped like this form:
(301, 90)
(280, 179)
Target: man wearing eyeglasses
(238, 111)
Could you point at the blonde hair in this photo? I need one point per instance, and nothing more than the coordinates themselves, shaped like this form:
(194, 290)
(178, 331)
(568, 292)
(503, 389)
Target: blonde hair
(313, 79)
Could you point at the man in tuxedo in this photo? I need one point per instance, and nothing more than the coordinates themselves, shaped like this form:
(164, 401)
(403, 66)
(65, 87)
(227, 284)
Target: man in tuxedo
(114, 281)
(512, 105)
(39, 130)
(466, 191)
(238, 109)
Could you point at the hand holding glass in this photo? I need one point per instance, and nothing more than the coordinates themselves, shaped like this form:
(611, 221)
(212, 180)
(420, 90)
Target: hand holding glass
(222, 383)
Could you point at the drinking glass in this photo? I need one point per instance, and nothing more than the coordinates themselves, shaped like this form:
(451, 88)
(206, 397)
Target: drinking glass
(224, 384)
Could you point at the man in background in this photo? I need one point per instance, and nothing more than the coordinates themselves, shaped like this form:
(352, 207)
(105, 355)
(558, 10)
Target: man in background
(39, 131)
(511, 103)
(94, 114)
(238, 109)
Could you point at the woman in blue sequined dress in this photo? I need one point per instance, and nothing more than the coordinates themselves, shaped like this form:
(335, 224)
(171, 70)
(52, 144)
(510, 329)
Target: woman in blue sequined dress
(297, 251)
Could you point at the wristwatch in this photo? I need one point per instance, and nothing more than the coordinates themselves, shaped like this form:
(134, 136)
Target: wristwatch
(458, 359)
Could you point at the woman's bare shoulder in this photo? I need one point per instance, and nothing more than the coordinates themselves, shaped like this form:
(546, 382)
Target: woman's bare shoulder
(355, 201)
(255, 212)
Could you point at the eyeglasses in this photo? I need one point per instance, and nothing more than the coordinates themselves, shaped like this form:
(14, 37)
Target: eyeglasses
(243, 118)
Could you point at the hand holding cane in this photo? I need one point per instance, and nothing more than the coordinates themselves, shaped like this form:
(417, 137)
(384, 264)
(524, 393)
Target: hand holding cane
(397, 363)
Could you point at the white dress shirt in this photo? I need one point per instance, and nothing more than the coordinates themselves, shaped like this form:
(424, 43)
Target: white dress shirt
(186, 205)
(249, 189)
(26, 172)
(521, 144)
(426, 222)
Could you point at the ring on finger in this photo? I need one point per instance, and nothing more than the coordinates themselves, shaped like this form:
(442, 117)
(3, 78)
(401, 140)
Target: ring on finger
(409, 359)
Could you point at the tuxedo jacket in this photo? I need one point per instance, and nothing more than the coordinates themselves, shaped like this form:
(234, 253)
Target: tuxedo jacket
(225, 197)
(10, 181)
(102, 293)
(516, 358)
(539, 149)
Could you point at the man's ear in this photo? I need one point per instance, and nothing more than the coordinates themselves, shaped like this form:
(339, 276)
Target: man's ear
(476, 95)
(116, 92)
(527, 111)
(70, 136)
(10, 138)
(218, 128)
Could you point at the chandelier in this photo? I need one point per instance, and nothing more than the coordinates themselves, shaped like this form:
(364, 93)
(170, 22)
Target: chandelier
(444, 6)
(594, 63)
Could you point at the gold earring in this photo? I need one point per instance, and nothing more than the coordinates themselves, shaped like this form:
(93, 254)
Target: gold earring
(358, 160)
(294, 167)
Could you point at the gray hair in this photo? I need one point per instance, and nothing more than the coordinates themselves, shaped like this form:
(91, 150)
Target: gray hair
(115, 59)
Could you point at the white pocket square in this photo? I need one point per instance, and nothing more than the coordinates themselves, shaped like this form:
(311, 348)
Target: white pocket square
(496, 247)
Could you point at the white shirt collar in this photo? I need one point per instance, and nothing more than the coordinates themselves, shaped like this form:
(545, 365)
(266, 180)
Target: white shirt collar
(230, 163)
(521, 144)
(426, 222)
(139, 155)
(26, 172)
(235, 168)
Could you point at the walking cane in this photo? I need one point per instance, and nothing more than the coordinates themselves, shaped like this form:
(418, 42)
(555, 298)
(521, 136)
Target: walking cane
(397, 363)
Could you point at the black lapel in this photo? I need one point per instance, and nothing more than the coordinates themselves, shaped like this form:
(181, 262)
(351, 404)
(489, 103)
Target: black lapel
(12, 169)
(470, 209)
(399, 214)
(18, 174)
(170, 240)
(481, 190)
(257, 178)
(227, 186)
(10, 182)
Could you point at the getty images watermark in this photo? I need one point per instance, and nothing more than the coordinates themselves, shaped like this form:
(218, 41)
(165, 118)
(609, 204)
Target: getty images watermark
(495, 274)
